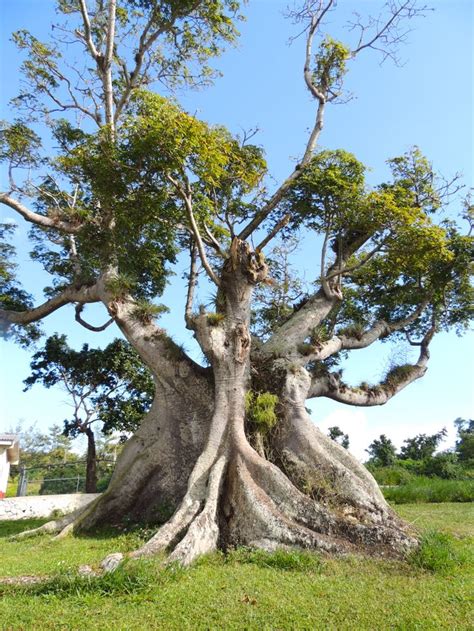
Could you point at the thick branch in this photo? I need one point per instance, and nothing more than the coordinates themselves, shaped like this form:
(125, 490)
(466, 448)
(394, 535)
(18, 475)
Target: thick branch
(39, 220)
(331, 386)
(295, 330)
(378, 331)
(68, 296)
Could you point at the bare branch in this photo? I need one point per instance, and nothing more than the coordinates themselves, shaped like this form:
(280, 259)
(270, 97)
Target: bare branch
(86, 325)
(105, 65)
(324, 278)
(386, 34)
(211, 239)
(348, 270)
(87, 35)
(192, 281)
(37, 219)
(186, 195)
(275, 230)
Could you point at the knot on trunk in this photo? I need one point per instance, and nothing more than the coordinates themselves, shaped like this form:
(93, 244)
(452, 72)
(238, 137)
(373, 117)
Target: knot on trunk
(250, 263)
(241, 343)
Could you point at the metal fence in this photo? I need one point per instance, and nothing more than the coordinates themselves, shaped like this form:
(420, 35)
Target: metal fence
(68, 477)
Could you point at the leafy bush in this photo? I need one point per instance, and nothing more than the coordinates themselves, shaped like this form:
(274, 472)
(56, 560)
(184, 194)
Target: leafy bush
(389, 476)
(103, 483)
(444, 465)
(436, 553)
(424, 489)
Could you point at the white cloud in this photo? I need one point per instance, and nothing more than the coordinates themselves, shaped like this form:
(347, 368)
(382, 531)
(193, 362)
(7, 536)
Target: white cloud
(10, 221)
(352, 422)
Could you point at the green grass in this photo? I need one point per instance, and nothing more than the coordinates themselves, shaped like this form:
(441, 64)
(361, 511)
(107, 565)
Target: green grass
(245, 589)
(431, 490)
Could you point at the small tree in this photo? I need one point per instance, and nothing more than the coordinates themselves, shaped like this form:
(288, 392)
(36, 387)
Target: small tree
(465, 440)
(382, 452)
(338, 435)
(422, 446)
(111, 387)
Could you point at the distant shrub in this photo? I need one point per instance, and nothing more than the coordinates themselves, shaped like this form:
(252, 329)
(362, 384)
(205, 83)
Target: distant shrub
(424, 489)
(389, 476)
(444, 465)
(60, 486)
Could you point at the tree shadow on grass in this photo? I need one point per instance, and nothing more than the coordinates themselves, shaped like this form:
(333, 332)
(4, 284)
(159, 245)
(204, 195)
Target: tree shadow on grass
(10, 528)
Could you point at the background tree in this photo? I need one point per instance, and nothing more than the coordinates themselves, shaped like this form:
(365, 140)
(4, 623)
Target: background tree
(382, 452)
(110, 386)
(465, 440)
(421, 446)
(137, 180)
(336, 433)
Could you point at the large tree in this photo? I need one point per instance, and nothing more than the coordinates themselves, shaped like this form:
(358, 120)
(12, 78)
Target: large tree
(136, 182)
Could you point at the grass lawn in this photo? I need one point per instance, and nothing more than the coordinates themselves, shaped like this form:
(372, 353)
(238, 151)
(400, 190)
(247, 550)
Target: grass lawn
(242, 591)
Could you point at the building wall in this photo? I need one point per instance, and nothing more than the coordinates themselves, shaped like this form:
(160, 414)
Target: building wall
(37, 506)
(4, 471)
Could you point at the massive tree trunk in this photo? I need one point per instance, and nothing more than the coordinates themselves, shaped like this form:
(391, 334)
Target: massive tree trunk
(192, 457)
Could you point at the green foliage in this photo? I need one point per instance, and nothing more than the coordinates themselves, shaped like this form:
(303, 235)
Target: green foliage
(382, 451)
(119, 286)
(444, 465)
(113, 382)
(261, 409)
(421, 446)
(465, 441)
(330, 65)
(436, 553)
(19, 145)
(214, 319)
(12, 297)
(336, 434)
(331, 197)
(391, 475)
(398, 375)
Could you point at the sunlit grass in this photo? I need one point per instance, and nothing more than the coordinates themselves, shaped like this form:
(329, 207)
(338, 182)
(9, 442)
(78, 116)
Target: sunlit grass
(245, 589)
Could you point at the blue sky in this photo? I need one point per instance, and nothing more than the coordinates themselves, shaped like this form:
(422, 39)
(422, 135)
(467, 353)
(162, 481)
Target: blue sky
(428, 101)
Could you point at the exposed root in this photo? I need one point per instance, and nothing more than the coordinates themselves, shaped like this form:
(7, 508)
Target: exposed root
(203, 533)
(60, 527)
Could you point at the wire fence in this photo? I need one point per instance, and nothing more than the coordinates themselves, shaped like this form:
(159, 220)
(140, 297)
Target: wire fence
(57, 478)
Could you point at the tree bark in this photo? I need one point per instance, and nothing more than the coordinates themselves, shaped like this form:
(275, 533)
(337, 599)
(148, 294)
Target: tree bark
(91, 462)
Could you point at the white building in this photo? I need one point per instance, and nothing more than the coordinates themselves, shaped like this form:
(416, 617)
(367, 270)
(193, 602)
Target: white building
(9, 454)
